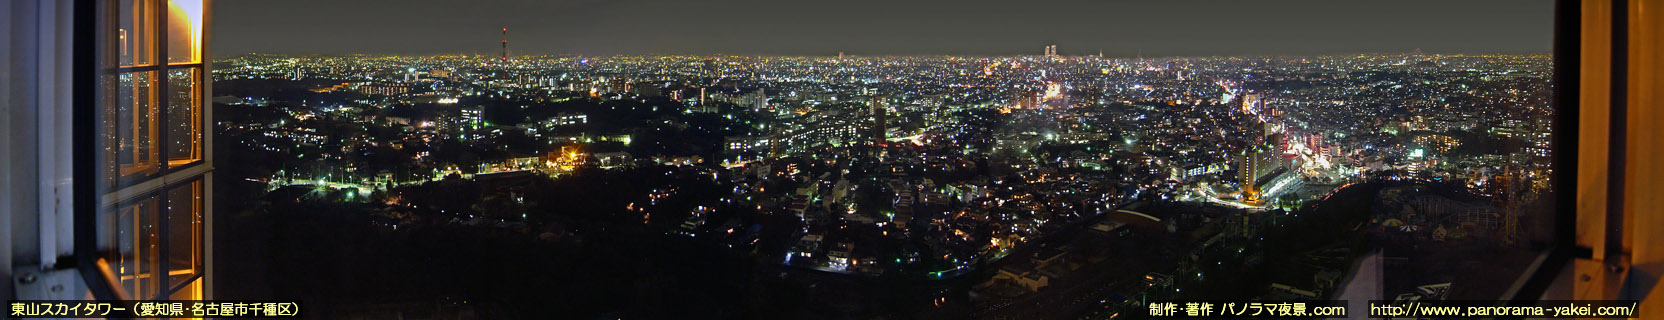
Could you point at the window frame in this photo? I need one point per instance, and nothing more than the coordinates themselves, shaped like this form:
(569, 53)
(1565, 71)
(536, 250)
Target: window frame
(162, 199)
(96, 195)
(160, 101)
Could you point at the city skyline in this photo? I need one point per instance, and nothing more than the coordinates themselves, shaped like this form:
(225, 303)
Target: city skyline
(857, 28)
(931, 187)
(992, 166)
(845, 159)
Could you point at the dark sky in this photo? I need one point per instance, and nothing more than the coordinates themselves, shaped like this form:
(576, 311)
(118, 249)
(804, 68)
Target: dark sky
(880, 27)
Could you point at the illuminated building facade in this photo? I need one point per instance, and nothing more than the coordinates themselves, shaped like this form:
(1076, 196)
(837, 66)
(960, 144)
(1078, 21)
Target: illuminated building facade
(1245, 174)
(383, 88)
(880, 113)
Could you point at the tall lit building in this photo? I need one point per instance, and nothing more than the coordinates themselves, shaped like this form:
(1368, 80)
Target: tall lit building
(1246, 173)
(109, 160)
(1027, 99)
(709, 68)
(469, 120)
(880, 115)
(618, 84)
(473, 118)
(704, 107)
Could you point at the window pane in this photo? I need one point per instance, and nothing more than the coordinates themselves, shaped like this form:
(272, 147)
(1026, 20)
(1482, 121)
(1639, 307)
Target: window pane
(184, 31)
(191, 291)
(184, 116)
(137, 248)
(130, 127)
(184, 239)
(134, 35)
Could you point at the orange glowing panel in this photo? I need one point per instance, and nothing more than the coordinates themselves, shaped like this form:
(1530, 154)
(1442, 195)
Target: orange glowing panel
(184, 33)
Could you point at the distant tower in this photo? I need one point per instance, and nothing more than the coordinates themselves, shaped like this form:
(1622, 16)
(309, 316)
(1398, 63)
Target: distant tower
(505, 44)
(840, 56)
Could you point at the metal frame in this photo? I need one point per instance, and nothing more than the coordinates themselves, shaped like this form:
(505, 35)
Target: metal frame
(163, 199)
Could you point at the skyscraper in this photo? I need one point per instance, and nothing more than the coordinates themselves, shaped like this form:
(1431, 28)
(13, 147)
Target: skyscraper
(1246, 174)
(702, 104)
(711, 69)
(880, 113)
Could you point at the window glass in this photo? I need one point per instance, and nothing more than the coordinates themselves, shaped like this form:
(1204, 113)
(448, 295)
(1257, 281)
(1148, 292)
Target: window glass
(154, 244)
(136, 237)
(184, 145)
(134, 33)
(184, 31)
(184, 239)
(131, 124)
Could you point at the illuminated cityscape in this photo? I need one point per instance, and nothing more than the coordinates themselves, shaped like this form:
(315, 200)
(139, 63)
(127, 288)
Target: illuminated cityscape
(1048, 186)
(831, 160)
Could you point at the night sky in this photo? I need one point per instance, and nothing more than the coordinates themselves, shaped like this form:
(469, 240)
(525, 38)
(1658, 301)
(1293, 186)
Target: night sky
(880, 27)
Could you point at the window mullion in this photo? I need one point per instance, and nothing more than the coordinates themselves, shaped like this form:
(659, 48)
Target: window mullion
(159, 34)
(164, 273)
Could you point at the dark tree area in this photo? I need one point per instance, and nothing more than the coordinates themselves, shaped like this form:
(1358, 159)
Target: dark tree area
(580, 254)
